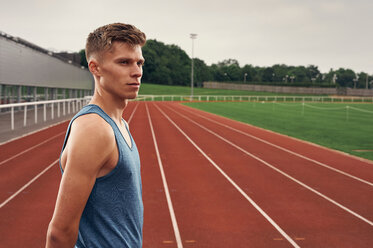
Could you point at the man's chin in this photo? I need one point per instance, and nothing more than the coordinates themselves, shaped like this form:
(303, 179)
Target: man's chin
(132, 96)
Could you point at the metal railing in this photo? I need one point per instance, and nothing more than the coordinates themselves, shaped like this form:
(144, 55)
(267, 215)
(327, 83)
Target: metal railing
(326, 99)
(64, 106)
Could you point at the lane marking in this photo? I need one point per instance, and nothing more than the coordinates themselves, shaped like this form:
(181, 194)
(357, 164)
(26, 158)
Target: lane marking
(32, 132)
(41, 173)
(280, 171)
(168, 241)
(29, 149)
(286, 150)
(27, 184)
(269, 219)
(165, 186)
(133, 112)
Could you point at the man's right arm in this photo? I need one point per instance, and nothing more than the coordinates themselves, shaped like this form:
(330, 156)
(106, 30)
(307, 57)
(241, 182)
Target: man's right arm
(89, 147)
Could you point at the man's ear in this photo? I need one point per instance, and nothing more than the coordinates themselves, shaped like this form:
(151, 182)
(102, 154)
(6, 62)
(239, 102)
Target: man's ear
(94, 67)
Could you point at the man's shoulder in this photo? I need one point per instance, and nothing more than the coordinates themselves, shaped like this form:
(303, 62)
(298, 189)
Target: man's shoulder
(92, 127)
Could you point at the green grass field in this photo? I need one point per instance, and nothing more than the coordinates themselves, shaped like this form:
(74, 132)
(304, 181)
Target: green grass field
(344, 127)
(156, 89)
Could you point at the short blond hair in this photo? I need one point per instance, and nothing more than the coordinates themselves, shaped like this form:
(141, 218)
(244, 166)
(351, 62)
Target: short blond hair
(101, 39)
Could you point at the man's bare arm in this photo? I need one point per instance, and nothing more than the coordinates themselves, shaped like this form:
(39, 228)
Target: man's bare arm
(90, 144)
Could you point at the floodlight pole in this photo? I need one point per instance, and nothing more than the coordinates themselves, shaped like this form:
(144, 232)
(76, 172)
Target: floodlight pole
(193, 37)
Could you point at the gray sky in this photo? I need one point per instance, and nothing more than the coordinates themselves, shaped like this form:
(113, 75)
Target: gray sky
(329, 33)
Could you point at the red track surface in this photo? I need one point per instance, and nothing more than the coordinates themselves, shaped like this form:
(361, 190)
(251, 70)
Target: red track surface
(229, 185)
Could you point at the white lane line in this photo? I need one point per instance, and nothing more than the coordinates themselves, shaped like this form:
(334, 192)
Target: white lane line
(133, 112)
(45, 141)
(29, 149)
(280, 171)
(165, 186)
(32, 132)
(27, 184)
(286, 150)
(41, 173)
(282, 232)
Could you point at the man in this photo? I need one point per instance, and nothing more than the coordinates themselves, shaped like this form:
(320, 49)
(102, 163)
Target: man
(99, 202)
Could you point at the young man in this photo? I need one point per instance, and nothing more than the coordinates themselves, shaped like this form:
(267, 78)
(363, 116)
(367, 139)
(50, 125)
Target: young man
(99, 202)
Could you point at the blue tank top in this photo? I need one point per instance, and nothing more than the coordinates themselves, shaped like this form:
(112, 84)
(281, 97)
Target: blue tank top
(113, 215)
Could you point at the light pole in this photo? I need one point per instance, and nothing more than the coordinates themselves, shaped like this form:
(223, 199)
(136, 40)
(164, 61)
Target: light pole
(334, 79)
(244, 79)
(355, 80)
(193, 37)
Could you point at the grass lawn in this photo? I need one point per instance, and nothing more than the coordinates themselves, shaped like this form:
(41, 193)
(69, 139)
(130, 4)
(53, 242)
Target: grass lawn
(157, 89)
(337, 126)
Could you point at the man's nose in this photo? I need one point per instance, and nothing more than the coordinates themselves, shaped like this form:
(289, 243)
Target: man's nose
(136, 71)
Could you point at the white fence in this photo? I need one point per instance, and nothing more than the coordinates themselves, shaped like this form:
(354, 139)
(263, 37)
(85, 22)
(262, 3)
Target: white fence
(64, 107)
(72, 105)
(329, 99)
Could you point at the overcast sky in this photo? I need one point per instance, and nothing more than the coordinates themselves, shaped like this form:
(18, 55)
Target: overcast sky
(326, 33)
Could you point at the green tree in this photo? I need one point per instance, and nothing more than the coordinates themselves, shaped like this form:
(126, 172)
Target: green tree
(268, 75)
(362, 83)
(169, 64)
(250, 72)
(300, 74)
(345, 77)
(202, 72)
(165, 64)
(313, 72)
(83, 59)
(279, 72)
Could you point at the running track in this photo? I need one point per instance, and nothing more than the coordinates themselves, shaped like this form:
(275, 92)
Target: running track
(207, 182)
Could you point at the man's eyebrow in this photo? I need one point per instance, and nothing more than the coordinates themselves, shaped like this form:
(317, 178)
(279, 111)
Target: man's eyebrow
(130, 59)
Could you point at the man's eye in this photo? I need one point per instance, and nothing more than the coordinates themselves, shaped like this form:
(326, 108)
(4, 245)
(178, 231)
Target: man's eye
(124, 62)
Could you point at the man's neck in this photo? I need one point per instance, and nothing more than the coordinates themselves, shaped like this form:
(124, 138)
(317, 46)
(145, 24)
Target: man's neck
(112, 106)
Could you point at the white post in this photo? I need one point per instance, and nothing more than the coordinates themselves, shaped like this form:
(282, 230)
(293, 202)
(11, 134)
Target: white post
(45, 111)
(25, 116)
(36, 113)
(12, 117)
(58, 109)
(64, 108)
(52, 110)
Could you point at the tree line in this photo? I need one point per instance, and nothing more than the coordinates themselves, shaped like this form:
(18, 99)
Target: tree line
(170, 65)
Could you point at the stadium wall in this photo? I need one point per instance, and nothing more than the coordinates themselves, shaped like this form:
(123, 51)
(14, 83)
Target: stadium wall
(289, 89)
(23, 65)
